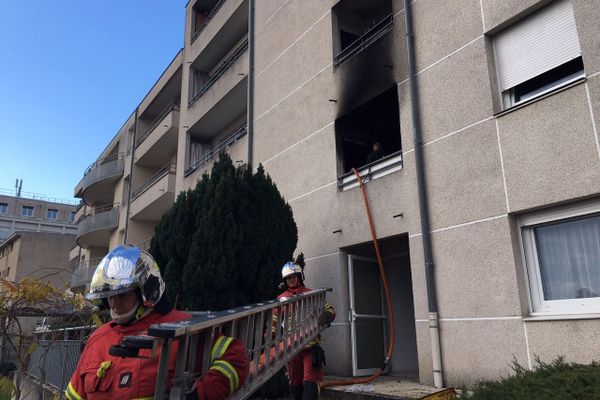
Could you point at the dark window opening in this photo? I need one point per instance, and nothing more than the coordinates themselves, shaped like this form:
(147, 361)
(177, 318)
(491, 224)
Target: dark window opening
(548, 80)
(359, 24)
(370, 132)
(203, 11)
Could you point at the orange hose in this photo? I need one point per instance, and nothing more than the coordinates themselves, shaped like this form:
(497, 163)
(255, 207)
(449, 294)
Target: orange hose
(386, 290)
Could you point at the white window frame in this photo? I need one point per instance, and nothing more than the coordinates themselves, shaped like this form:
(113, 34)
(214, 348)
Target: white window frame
(23, 208)
(3, 208)
(508, 93)
(51, 210)
(539, 306)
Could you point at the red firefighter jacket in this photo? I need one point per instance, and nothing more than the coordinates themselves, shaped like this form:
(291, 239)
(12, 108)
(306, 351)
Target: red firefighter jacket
(328, 310)
(100, 376)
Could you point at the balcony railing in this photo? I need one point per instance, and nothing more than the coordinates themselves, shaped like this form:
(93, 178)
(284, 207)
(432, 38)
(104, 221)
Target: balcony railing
(167, 169)
(374, 170)
(83, 272)
(368, 38)
(210, 16)
(223, 67)
(102, 218)
(173, 106)
(102, 161)
(215, 151)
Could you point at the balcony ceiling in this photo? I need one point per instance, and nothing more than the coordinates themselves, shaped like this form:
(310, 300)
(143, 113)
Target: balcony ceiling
(171, 91)
(229, 35)
(222, 114)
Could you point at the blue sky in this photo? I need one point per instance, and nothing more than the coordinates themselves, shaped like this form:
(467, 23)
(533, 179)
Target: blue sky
(71, 73)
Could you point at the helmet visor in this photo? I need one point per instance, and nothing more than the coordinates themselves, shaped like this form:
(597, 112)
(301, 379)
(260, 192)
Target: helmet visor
(115, 274)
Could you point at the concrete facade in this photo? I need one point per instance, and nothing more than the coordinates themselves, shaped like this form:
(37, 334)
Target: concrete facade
(35, 213)
(488, 167)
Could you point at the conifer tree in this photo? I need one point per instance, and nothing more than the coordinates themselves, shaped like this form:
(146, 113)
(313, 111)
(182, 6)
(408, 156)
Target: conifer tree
(222, 244)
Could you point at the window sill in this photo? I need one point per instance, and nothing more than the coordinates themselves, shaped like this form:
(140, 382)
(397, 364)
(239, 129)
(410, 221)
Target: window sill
(560, 317)
(541, 97)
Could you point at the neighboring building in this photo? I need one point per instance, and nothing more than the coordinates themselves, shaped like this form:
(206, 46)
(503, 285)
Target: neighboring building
(509, 103)
(38, 255)
(36, 213)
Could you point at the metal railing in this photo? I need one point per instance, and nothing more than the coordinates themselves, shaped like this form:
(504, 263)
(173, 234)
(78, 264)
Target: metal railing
(223, 67)
(372, 170)
(83, 272)
(172, 106)
(144, 245)
(210, 16)
(167, 169)
(368, 38)
(102, 161)
(53, 362)
(99, 210)
(37, 196)
(215, 151)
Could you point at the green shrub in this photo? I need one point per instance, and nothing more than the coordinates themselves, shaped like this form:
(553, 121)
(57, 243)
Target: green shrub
(556, 380)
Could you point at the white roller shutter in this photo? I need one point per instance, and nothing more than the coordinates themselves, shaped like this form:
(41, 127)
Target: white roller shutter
(537, 44)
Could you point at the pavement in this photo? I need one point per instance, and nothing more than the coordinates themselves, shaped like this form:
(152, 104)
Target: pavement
(383, 388)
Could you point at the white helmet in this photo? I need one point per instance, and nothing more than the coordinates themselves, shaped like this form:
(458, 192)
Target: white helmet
(126, 268)
(290, 268)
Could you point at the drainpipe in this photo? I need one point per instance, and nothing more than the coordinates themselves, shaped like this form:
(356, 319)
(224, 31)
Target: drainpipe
(135, 128)
(250, 102)
(434, 333)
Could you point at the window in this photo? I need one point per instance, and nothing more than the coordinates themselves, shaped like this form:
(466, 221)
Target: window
(562, 254)
(3, 208)
(52, 214)
(72, 216)
(538, 54)
(27, 211)
(369, 138)
(358, 24)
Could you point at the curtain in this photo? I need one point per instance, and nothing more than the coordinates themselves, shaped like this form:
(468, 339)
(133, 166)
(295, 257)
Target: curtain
(569, 258)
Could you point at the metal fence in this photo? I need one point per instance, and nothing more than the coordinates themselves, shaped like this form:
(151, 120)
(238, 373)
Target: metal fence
(53, 362)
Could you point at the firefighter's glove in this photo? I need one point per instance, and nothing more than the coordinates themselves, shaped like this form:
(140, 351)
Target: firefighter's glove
(325, 319)
(318, 356)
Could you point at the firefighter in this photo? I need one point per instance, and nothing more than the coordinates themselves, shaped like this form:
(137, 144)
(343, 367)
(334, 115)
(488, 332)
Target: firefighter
(305, 370)
(129, 279)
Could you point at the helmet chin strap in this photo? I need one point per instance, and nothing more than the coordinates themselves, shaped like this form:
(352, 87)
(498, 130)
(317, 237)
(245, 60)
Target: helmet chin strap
(125, 317)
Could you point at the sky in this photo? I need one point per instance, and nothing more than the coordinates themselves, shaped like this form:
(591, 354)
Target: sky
(71, 73)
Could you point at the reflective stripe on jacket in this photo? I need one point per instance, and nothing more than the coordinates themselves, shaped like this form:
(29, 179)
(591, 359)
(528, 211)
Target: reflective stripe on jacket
(100, 376)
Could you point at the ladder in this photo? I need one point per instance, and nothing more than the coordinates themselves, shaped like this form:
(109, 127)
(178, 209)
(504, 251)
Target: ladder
(252, 325)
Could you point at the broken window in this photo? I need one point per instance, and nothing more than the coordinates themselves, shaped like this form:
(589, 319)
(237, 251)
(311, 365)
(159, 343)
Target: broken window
(370, 134)
(358, 24)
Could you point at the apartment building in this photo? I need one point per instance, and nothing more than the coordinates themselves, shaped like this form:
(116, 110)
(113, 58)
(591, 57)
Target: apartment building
(484, 190)
(35, 212)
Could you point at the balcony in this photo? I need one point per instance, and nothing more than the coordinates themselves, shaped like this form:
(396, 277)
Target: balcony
(98, 182)
(367, 39)
(213, 34)
(96, 225)
(158, 142)
(82, 275)
(152, 199)
(216, 150)
(221, 69)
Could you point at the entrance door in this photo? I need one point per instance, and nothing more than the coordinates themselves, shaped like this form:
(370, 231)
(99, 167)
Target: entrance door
(367, 316)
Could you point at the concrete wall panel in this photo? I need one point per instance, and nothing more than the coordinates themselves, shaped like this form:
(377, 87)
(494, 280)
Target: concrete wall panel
(441, 27)
(464, 177)
(303, 60)
(475, 271)
(577, 340)
(476, 350)
(587, 14)
(498, 14)
(549, 151)
(455, 92)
